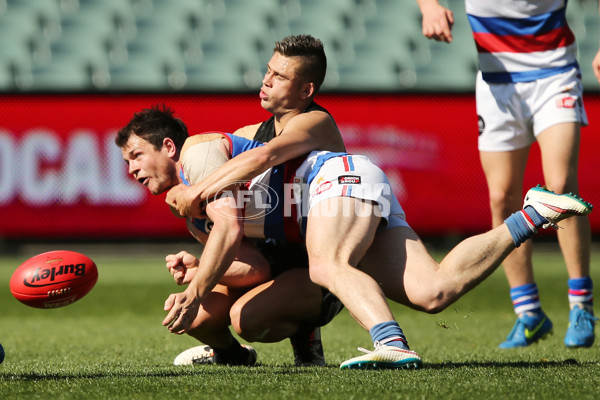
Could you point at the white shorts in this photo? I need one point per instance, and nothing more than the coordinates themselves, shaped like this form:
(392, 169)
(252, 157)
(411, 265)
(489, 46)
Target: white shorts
(512, 115)
(356, 176)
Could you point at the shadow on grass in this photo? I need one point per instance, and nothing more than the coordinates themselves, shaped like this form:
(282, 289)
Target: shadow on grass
(279, 370)
(510, 364)
(194, 371)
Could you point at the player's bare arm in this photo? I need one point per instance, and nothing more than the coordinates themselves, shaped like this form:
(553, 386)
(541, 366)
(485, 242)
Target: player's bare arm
(219, 252)
(303, 133)
(250, 267)
(437, 20)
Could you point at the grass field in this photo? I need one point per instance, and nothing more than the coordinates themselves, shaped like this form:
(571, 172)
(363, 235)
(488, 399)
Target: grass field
(111, 345)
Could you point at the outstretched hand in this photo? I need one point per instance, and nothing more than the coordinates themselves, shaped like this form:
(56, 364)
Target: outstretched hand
(182, 266)
(183, 308)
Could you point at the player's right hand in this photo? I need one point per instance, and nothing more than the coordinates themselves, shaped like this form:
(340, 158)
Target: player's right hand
(437, 22)
(182, 266)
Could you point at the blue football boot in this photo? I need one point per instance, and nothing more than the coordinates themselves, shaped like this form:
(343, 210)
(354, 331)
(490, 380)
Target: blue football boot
(527, 330)
(580, 332)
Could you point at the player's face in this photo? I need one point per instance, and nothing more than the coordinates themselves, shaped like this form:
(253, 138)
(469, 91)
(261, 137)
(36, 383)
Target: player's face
(153, 168)
(282, 88)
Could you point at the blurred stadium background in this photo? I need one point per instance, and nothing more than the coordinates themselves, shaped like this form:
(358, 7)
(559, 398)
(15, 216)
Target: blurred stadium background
(74, 71)
(223, 45)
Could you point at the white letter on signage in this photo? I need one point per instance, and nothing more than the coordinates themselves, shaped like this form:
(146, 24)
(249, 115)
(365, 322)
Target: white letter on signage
(8, 168)
(82, 170)
(38, 187)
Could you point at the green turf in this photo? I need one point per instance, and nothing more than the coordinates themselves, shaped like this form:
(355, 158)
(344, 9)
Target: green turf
(111, 345)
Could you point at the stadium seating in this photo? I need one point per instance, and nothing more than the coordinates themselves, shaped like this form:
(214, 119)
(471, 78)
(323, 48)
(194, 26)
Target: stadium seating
(223, 45)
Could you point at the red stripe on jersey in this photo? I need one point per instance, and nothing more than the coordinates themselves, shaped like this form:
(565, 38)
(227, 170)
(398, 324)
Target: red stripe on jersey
(490, 43)
(346, 166)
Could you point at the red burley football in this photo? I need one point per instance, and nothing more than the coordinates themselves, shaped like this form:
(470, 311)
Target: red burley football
(54, 279)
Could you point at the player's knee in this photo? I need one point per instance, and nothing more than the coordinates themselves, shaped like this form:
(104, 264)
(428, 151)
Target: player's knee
(319, 274)
(503, 202)
(435, 307)
(433, 302)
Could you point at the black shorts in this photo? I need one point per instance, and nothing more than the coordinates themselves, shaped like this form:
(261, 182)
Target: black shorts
(283, 256)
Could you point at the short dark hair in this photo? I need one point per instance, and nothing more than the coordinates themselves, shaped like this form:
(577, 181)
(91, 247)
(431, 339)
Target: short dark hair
(154, 125)
(311, 49)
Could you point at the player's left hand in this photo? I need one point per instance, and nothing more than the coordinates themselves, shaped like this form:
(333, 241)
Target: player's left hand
(182, 266)
(183, 309)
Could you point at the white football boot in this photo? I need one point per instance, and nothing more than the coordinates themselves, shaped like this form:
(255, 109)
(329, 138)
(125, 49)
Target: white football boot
(206, 355)
(555, 207)
(384, 357)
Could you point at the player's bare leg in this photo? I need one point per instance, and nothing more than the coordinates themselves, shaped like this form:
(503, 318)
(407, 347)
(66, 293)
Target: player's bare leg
(335, 244)
(257, 316)
(407, 273)
(339, 232)
(211, 327)
(560, 158)
(559, 145)
(289, 306)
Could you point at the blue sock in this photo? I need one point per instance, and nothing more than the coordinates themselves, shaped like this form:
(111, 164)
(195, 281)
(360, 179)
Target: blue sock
(526, 298)
(523, 224)
(581, 292)
(390, 334)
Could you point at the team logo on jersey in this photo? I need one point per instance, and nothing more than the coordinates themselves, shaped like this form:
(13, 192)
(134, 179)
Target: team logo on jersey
(480, 124)
(323, 187)
(566, 102)
(349, 180)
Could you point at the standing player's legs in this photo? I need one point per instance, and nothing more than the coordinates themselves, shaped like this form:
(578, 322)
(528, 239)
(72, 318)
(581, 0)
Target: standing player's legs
(559, 145)
(506, 135)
